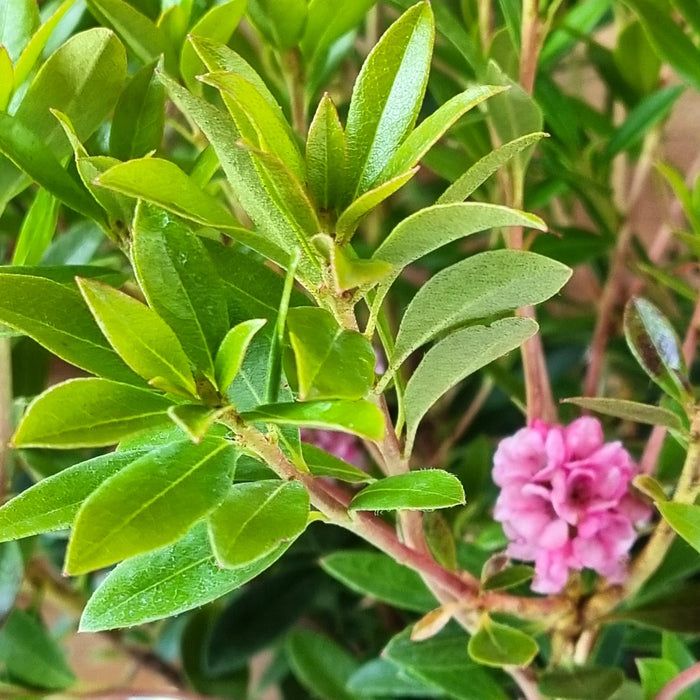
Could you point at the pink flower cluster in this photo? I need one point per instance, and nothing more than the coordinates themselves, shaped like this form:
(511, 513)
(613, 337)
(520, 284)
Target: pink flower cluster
(565, 501)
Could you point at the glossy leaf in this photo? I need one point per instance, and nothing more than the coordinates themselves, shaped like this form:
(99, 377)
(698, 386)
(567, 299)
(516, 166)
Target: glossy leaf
(656, 347)
(218, 23)
(195, 420)
(11, 575)
(382, 678)
(231, 352)
(169, 489)
(326, 154)
(328, 21)
(422, 490)
(138, 32)
(498, 645)
(56, 316)
(139, 117)
(322, 463)
(29, 653)
(581, 683)
(465, 185)
(650, 487)
(331, 362)
(37, 229)
(431, 129)
(88, 413)
(180, 283)
(320, 664)
(7, 75)
(483, 285)
(351, 218)
(52, 503)
(357, 417)
(684, 518)
(380, 577)
(629, 410)
(143, 340)
(508, 578)
(166, 582)
(281, 24)
(475, 347)
(18, 21)
(387, 96)
(256, 518)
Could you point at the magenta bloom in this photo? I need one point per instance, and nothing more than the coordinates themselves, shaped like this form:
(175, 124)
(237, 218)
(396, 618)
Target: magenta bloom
(565, 502)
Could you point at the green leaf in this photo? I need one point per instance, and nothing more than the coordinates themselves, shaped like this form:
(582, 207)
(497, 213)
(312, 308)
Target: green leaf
(483, 285)
(654, 674)
(350, 219)
(143, 340)
(163, 183)
(37, 229)
(326, 154)
(281, 24)
(52, 503)
(218, 24)
(166, 582)
(139, 117)
(169, 489)
(508, 578)
(331, 362)
(256, 518)
(465, 185)
(180, 283)
(356, 417)
(668, 40)
(387, 96)
(88, 413)
(433, 128)
(629, 410)
(475, 347)
(56, 317)
(18, 21)
(656, 347)
(322, 463)
(382, 678)
(635, 58)
(30, 655)
(380, 577)
(650, 487)
(193, 419)
(11, 575)
(498, 645)
(320, 665)
(138, 32)
(7, 74)
(443, 661)
(649, 112)
(232, 350)
(581, 683)
(422, 490)
(687, 10)
(684, 519)
(432, 227)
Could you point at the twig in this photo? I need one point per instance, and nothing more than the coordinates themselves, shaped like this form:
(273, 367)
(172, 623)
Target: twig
(530, 45)
(683, 680)
(5, 413)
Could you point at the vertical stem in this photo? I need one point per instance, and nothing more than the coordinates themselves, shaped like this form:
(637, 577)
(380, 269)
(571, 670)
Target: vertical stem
(5, 412)
(530, 44)
(291, 63)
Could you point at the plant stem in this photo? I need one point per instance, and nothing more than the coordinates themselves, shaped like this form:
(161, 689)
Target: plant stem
(683, 680)
(5, 413)
(530, 44)
(291, 63)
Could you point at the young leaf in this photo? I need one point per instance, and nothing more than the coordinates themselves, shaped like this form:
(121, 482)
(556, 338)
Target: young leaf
(475, 347)
(322, 463)
(380, 577)
(656, 347)
(499, 645)
(650, 487)
(684, 518)
(325, 155)
(483, 285)
(180, 283)
(193, 419)
(581, 682)
(169, 488)
(37, 229)
(143, 340)
(139, 117)
(330, 362)
(7, 75)
(52, 503)
(256, 518)
(232, 350)
(422, 490)
(350, 219)
(508, 578)
(629, 410)
(88, 413)
(31, 655)
(320, 664)
(431, 129)
(55, 315)
(166, 582)
(356, 417)
(387, 96)
(281, 24)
